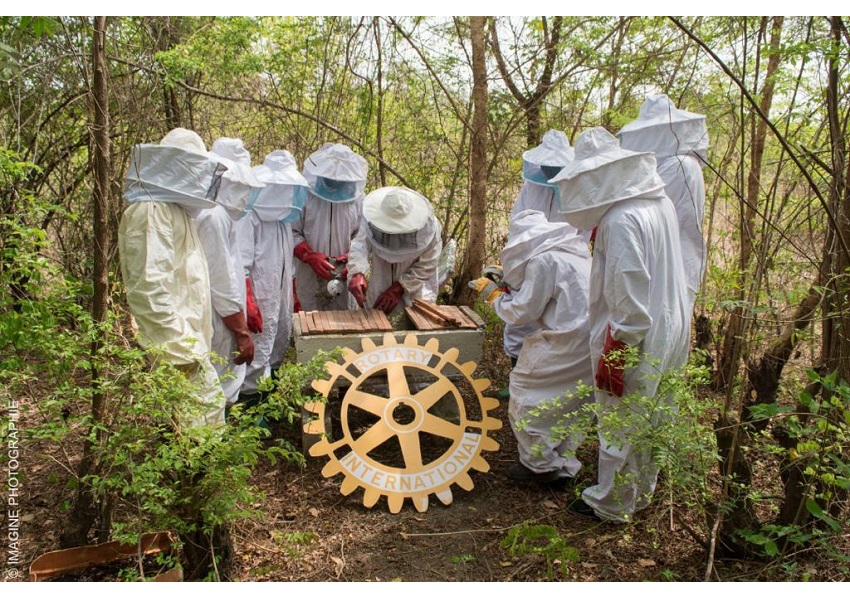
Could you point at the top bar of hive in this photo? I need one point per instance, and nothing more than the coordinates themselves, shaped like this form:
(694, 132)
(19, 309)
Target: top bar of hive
(433, 317)
(343, 321)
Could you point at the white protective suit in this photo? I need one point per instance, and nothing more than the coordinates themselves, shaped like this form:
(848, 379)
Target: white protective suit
(539, 164)
(265, 237)
(330, 220)
(390, 211)
(217, 231)
(547, 267)
(637, 287)
(163, 263)
(679, 140)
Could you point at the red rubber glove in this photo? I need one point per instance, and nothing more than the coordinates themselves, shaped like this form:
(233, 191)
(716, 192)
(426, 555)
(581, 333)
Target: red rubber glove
(255, 319)
(236, 323)
(296, 305)
(389, 298)
(318, 261)
(343, 258)
(357, 287)
(610, 370)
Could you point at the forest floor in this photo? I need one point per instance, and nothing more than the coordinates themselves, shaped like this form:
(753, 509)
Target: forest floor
(311, 532)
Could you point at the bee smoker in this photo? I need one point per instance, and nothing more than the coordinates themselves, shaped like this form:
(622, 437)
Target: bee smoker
(335, 286)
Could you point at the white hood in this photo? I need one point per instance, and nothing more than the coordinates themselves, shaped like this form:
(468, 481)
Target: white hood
(665, 130)
(554, 151)
(286, 189)
(532, 234)
(602, 174)
(239, 185)
(177, 170)
(336, 164)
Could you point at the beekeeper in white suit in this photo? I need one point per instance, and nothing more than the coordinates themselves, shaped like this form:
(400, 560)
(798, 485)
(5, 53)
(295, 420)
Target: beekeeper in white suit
(394, 258)
(546, 271)
(323, 234)
(679, 140)
(163, 263)
(638, 299)
(231, 338)
(265, 237)
(539, 165)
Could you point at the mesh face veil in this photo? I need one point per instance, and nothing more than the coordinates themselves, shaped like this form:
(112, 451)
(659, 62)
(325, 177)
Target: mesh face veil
(334, 190)
(299, 198)
(395, 242)
(549, 172)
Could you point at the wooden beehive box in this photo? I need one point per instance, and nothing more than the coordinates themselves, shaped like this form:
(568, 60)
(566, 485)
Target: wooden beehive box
(327, 330)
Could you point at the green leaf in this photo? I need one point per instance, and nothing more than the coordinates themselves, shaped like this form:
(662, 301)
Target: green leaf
(765, 411)
(770, 548)
(817, 512)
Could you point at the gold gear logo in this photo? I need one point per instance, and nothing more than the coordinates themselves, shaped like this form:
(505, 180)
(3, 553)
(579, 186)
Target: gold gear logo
(411, 434)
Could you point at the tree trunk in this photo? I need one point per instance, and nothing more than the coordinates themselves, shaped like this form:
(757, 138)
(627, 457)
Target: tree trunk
(733, 436)
(737, 512)
(531, 104)
(763, 376)
(614, 61)
(734, 339)
(85, 510)
(836, 323)
(167, 36)
(379, 121)
(795, 482)
(477, 161)
(205, 554)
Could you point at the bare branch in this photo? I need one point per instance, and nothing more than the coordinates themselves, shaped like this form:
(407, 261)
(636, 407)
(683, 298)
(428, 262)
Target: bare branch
(267, 104)
(782, 140)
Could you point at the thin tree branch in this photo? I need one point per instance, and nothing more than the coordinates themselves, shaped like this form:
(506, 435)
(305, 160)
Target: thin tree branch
(783, 142)
(267, 104)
